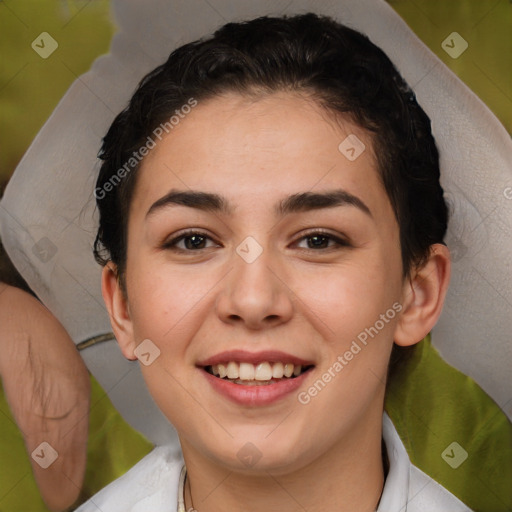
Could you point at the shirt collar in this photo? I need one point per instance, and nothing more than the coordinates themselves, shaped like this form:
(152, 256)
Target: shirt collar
(396, 487)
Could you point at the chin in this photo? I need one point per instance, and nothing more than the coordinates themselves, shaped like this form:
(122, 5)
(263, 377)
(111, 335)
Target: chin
(259, 454)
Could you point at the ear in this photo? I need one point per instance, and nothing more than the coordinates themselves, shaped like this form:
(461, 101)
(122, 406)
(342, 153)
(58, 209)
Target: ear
(423, 297)
(118, 310)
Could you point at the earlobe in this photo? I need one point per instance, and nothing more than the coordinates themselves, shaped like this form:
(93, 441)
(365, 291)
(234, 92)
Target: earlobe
(118, 310)
(423, 296)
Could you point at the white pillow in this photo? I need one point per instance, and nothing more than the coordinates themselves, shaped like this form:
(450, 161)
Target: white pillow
(48, 222)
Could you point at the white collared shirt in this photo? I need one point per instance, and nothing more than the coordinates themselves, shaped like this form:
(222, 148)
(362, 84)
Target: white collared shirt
(152, 484)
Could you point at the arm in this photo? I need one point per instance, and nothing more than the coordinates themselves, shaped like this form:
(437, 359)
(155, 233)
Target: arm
(47, 386)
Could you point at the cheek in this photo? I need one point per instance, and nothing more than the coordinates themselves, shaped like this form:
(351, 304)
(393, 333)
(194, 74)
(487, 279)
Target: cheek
(353, 308)
(163, 299)
(344, 300)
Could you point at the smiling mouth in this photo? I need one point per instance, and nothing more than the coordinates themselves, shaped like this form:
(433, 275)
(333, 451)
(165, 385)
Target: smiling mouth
(262, 374)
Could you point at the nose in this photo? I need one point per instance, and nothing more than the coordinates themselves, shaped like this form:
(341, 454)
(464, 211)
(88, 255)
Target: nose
(255, 294)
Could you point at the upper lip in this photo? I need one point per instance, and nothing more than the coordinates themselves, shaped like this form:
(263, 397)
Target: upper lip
(243, 356)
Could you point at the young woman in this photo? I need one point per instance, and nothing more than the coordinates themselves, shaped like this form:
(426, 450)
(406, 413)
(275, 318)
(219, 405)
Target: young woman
(271, 224)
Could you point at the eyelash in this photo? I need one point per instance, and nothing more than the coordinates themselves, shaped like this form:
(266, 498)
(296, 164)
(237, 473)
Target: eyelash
(172, 244)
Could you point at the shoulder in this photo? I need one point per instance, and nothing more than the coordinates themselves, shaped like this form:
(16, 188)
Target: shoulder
(30, 333)
(21, 311)
(12, 297)
(152, 484)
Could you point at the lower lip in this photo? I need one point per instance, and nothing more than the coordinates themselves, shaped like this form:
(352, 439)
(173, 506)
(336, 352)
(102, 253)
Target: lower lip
(264, 394)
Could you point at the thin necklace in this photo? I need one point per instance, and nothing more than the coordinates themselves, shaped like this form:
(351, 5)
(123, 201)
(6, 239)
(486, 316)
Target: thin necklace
(183, 476)
(181, 489)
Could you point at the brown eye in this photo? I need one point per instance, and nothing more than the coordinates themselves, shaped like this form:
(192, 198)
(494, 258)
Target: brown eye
(319, 240)
(194, 242)
(190, 241)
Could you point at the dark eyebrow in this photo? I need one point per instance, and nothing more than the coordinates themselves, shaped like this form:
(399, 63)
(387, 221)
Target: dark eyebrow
(306, 201)
(193, 199)
(301, 202)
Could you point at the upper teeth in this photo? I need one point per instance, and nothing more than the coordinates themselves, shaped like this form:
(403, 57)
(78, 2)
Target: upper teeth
(261, 371)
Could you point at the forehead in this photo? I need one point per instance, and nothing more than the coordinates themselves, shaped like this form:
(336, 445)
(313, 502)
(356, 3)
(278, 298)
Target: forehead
(254, 150)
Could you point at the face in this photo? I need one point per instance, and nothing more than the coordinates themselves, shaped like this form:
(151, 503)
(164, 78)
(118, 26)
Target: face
(257, 248)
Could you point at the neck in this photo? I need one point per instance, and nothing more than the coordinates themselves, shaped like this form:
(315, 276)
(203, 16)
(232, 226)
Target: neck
(349, 476)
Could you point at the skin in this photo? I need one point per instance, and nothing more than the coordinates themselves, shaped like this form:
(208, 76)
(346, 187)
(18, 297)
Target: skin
(306, 301)
(47, 387)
